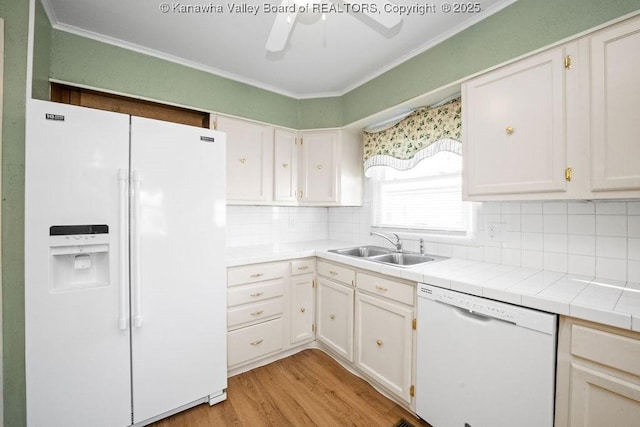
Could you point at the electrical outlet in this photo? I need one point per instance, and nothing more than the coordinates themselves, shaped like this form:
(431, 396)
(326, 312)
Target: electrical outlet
(494, 231)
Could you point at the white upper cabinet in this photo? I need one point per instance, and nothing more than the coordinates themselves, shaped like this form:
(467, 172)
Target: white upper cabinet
(615, 107)
(285, 166)
(267, 165)
(319, 167)
(249, 160)
(331, 171)
(514, 127)
(561, 124)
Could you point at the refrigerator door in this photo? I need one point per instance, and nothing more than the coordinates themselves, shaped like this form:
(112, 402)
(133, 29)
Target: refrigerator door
(178, 266)
(77, 355)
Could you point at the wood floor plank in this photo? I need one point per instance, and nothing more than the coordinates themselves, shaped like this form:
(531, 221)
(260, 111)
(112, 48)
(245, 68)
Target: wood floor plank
(306, 389)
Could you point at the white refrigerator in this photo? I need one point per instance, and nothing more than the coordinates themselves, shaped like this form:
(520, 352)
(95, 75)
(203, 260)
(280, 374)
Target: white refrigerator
(125, 276)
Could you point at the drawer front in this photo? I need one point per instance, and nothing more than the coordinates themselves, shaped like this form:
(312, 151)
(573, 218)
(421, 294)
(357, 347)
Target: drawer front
(255, 273)
(303, 266)
(336, 272)
(617, 351)
(251, 313)
(254, 341)
(253, 293)
(386, 288)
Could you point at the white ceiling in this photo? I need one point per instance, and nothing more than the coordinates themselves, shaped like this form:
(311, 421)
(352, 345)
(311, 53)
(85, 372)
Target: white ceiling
(321, 58)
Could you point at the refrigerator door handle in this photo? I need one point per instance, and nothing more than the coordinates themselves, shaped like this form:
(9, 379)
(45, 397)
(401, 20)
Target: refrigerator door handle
(122, 219)
(135, 260)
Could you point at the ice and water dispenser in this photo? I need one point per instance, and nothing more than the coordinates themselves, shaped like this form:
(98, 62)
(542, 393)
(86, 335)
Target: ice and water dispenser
(79, 256)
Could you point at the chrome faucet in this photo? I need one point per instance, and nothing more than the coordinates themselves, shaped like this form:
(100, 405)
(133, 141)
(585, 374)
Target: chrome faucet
(397, 243)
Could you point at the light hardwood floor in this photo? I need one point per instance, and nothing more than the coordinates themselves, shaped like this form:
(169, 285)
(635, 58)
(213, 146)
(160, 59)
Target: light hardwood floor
(306, 389)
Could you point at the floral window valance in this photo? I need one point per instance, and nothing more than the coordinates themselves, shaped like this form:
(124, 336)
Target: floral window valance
(421, 134)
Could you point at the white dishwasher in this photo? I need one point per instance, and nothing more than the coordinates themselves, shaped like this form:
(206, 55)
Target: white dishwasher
(482, 363)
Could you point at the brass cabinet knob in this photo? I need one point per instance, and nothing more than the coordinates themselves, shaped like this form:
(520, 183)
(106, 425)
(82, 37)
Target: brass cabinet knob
(379, 342)
(302, 310)
(242, 160)
(332, 316)
(285, 165)
(509, 130)
(319, 167)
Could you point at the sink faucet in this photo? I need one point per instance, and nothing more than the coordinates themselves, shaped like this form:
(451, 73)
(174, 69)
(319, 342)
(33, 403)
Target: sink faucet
(397, 243)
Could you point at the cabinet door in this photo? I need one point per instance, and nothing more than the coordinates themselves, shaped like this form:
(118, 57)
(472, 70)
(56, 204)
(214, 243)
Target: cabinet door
(514, 127)
(615, 123)
(384, 343)
(302, 313)
(318, 170)
(249, 160)
(601, 399)
(335, 317)
(285, 173)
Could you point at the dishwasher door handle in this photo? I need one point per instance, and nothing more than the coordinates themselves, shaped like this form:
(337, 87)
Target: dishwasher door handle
(477, 316)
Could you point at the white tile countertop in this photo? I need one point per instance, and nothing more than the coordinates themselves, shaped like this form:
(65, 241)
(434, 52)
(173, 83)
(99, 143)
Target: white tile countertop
(599, 300)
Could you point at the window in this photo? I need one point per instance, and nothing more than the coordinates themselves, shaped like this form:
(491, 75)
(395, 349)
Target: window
(426, 199)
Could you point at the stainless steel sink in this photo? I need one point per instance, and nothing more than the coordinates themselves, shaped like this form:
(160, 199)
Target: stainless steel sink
(403, 259)
(362, 251)
(387, 256)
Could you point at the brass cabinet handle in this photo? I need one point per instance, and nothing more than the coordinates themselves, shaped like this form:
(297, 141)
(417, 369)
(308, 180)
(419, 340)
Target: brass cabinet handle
(509, 130)
(381, 289)
(303, 267)
(568, 174)
(379, 342)
(256, 294)
(285, 165)
(302, 310)
(332, 316)
(257, 275)
(335, 273)
(257, 342)
(257, 313)
(242, 160)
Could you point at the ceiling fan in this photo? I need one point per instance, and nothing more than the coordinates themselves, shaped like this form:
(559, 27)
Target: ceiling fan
(289, 9)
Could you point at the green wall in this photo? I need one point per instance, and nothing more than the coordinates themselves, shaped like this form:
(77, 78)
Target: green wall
(523, 26)
(15, 15)
(121, 70)
(41, 54)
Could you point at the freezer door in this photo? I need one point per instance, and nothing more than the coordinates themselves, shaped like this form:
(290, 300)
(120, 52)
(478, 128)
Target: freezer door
(77, 355)
(178, 265)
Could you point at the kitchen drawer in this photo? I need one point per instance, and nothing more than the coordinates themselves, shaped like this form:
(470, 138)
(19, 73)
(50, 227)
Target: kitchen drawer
(255, 292)
(251, 313)
(254, 341)
(386, 288)
(337, 273)
(255, 273)
(302, 266)
(617, 351)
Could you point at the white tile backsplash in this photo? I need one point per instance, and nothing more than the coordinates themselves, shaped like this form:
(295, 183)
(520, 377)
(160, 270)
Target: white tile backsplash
(587, 238)
(261, 225)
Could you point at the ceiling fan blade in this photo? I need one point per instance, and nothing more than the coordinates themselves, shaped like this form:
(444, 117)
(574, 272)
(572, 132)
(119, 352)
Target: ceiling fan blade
(388, 20)
(282, 27)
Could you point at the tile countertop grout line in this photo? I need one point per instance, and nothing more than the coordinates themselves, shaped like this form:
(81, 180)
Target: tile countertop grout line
(446, 273)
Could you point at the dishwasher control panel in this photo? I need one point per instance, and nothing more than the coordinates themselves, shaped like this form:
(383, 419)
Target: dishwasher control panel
(479, 306)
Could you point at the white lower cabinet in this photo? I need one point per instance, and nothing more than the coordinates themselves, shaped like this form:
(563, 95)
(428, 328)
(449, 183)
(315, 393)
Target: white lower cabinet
(598, 378)
(255, 308)
(367, 321)
(384, 343)
(335, 317)
(302, 301)
(384, 335)
(254, 341)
